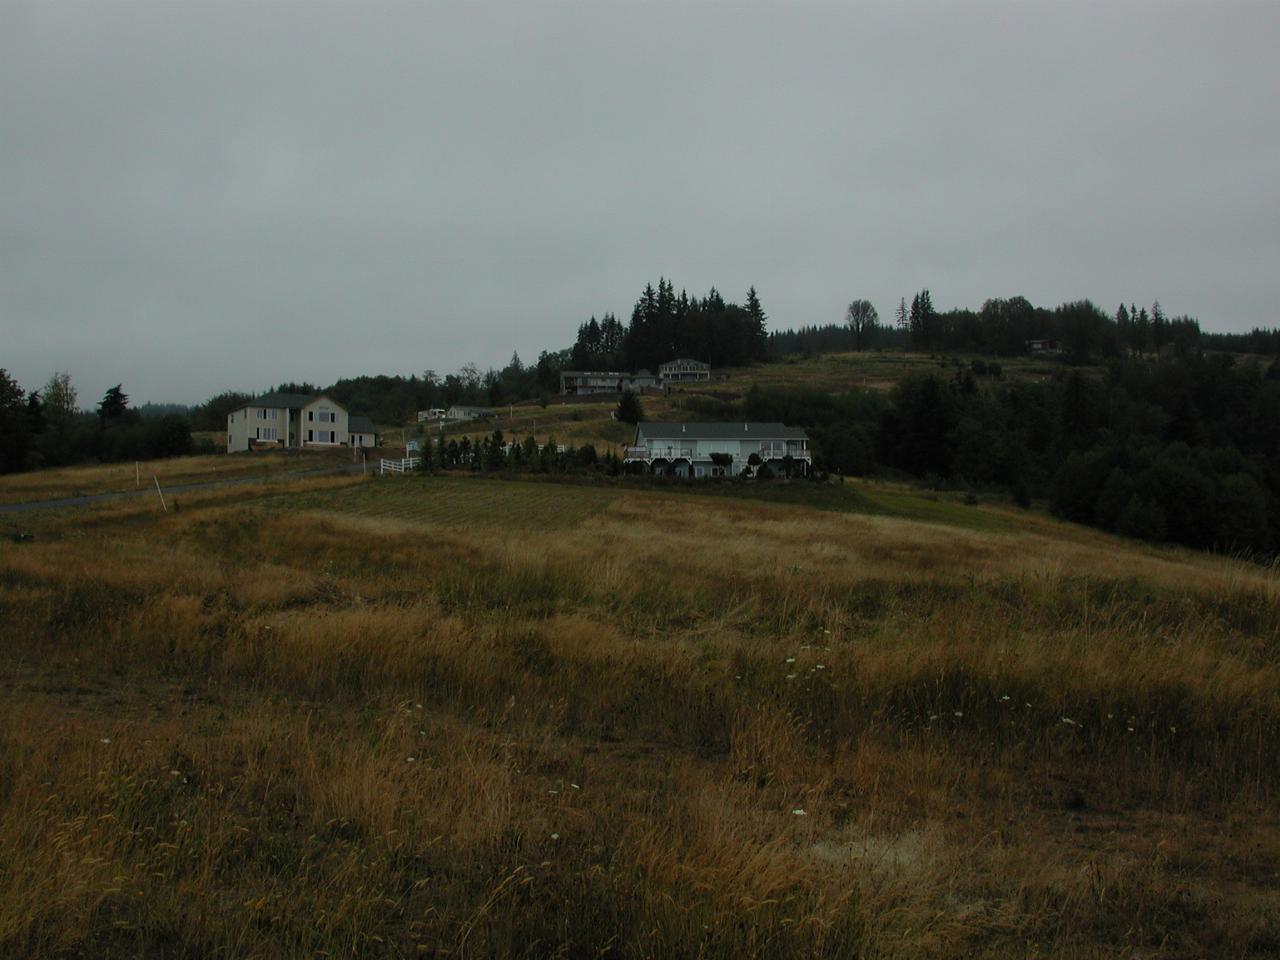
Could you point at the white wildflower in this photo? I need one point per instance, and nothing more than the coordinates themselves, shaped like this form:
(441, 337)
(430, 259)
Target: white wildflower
(799, 812)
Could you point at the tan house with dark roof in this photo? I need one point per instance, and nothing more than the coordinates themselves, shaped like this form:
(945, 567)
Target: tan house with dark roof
(296, 421)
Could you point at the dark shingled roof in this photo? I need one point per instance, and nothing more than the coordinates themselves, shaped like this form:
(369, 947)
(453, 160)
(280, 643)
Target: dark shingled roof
(662, 430)
(290, 401)
(296, 401)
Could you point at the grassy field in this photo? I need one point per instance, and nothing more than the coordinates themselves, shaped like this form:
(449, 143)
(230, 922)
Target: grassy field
(461, 717)
(840, 372)
(123, 477)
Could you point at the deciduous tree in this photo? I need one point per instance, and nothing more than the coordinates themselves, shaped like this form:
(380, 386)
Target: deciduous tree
(863, 322)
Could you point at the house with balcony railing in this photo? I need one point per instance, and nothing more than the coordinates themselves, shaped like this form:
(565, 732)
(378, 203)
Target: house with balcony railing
(719, 449)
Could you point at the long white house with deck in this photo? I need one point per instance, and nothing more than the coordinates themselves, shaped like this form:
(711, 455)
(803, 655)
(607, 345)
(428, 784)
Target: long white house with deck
(719, 449)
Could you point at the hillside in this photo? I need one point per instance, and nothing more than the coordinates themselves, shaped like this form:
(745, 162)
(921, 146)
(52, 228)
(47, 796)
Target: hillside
(587, 419)
(457, 716)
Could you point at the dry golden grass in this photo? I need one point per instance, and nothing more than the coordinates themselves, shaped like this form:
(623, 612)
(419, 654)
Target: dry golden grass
(123, 477)
(269, 729)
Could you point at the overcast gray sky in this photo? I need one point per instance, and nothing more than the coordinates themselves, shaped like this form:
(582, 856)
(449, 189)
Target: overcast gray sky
(200, 196)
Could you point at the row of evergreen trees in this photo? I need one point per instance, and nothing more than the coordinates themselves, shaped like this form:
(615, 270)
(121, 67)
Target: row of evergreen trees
(1003, 327)
(665, 325)
(494, 453)
(45, 428)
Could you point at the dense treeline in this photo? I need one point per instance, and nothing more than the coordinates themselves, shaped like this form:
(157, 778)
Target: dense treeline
(1184, 449)
(831, 338)
(665, 325)
(1080, 331)
(50, 431)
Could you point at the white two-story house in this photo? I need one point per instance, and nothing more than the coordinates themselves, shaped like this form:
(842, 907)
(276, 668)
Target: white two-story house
(719, 449)
(293, 420)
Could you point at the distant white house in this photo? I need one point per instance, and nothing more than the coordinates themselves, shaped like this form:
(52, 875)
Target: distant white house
(460, 412)
(435, 413)
(1044, 346)
(584, 382)
(719, 449)
(683, 370)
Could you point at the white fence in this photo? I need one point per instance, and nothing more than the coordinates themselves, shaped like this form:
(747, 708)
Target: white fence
(400, 466)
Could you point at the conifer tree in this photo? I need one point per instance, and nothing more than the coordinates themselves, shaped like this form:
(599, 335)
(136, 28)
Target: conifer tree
(629, 408)
(115, 402)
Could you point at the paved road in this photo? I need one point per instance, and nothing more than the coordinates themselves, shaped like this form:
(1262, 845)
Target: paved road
(170, 490)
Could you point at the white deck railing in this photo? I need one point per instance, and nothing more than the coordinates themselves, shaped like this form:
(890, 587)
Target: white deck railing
(766, 451)
(656, 453)
(776, 451)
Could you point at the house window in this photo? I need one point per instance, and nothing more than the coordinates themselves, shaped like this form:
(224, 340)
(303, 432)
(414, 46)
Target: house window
(265, 413)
